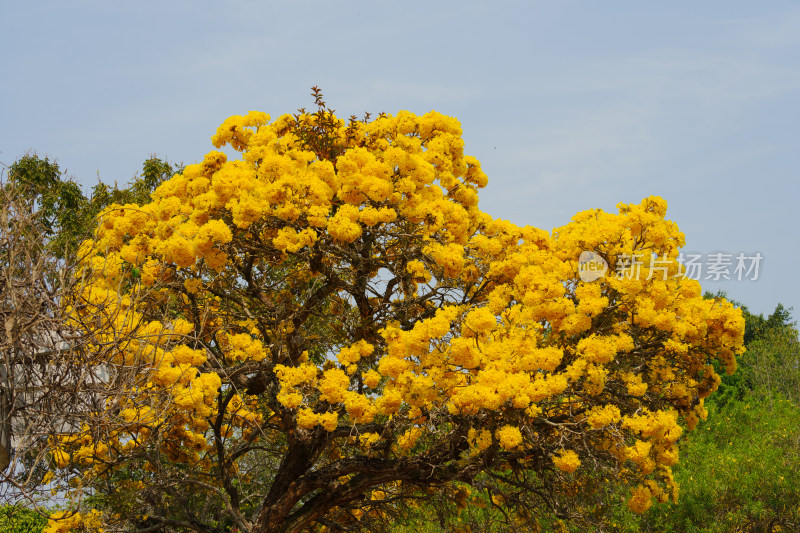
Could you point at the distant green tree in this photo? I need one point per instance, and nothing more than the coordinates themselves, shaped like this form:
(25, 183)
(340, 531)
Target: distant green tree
(757, 327)
(770, 362)
(773, 362)
(154, 173)
(60, 204)
(64, 211)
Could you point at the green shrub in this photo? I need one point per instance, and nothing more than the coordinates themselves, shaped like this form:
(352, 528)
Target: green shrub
(740, 471)
(15, 519)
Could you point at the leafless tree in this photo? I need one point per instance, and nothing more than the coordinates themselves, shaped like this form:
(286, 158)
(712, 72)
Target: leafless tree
(40, 386)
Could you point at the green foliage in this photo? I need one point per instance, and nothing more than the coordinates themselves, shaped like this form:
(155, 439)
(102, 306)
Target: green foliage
(66, 214)
(740, 471)
(771, 362)
(20, 520)
(59, 201)
(756, 326)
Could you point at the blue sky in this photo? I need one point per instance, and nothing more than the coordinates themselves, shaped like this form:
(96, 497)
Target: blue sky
(569, 105)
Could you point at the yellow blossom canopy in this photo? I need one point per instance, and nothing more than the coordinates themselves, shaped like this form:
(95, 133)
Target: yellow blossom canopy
(336, 289)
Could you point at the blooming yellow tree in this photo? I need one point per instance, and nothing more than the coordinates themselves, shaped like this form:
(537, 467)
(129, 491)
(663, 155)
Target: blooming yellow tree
(316, 332)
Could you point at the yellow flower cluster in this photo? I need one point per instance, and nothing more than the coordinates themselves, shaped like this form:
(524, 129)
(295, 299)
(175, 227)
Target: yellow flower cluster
(63, 521)
(567, 461)
(407, 440)
(200, 395)
(509, 437)
(641, 499)
(479, 439)
(351, 354)
(602, 416)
